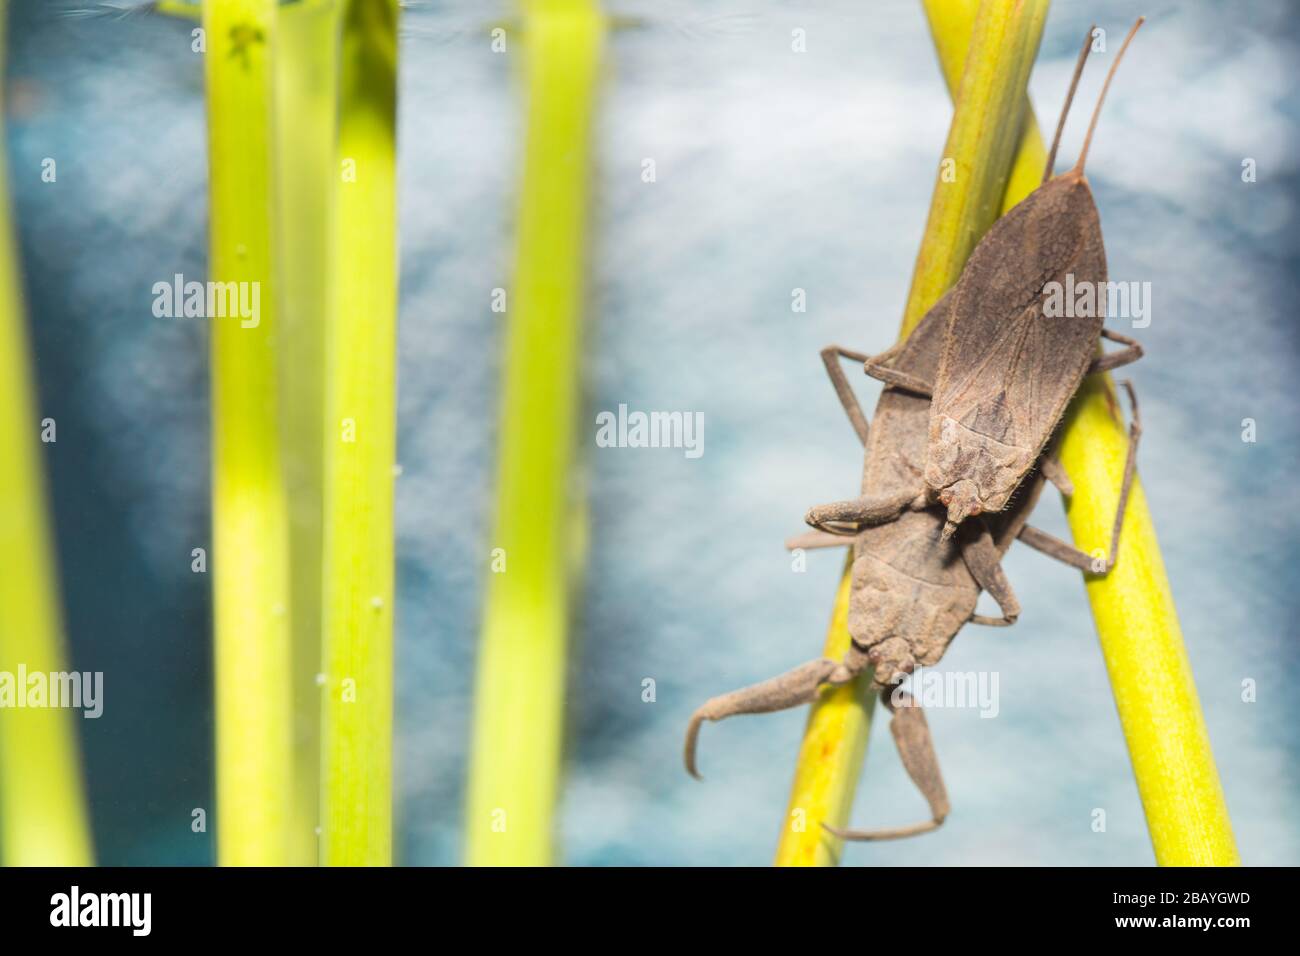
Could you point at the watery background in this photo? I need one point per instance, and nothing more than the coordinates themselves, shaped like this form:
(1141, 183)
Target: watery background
(775, 170)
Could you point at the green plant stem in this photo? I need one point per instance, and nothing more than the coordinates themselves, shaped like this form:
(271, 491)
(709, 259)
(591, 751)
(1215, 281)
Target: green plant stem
(950, 24)
(360, 452)
(42, 810)
(986, 130)
(519, 700)
(1133, 607)
(306, 130)
(250, 560)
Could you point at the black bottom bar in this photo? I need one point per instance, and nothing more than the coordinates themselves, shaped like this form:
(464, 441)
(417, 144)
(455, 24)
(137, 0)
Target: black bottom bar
(364, 906)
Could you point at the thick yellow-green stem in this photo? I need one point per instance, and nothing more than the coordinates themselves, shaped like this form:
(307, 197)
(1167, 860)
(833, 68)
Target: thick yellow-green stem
(1142, 643)
(830, 757)
(519, 700)
(1133, 606)
(306, 106)
(950, 23)
(984, 143)
(42, 810)
(360, 452)
(250, 533)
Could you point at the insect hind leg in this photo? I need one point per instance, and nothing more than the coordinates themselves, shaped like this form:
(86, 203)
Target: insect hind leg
(916, 748)
(794, 687)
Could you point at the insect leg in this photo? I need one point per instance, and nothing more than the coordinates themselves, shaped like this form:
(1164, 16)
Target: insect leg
(985, 565)
(817, 539)
(1054, 547)
(794, 687)
(1124, 356)
(912, 737)
(1130, 469)
(849, 517)
(1054, 472)
(831, 356)
(875, 366)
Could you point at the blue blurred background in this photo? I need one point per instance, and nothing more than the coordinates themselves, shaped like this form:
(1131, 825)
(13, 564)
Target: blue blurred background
(776, 170)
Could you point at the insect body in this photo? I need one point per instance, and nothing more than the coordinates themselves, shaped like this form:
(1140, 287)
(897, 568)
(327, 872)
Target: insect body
(912, 588)
(1008, 366)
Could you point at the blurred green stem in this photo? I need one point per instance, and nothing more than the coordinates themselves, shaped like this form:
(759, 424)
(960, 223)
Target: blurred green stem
(306, 87)
(360, 451)
(519, 699)
(42, 811)
(250, 524)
